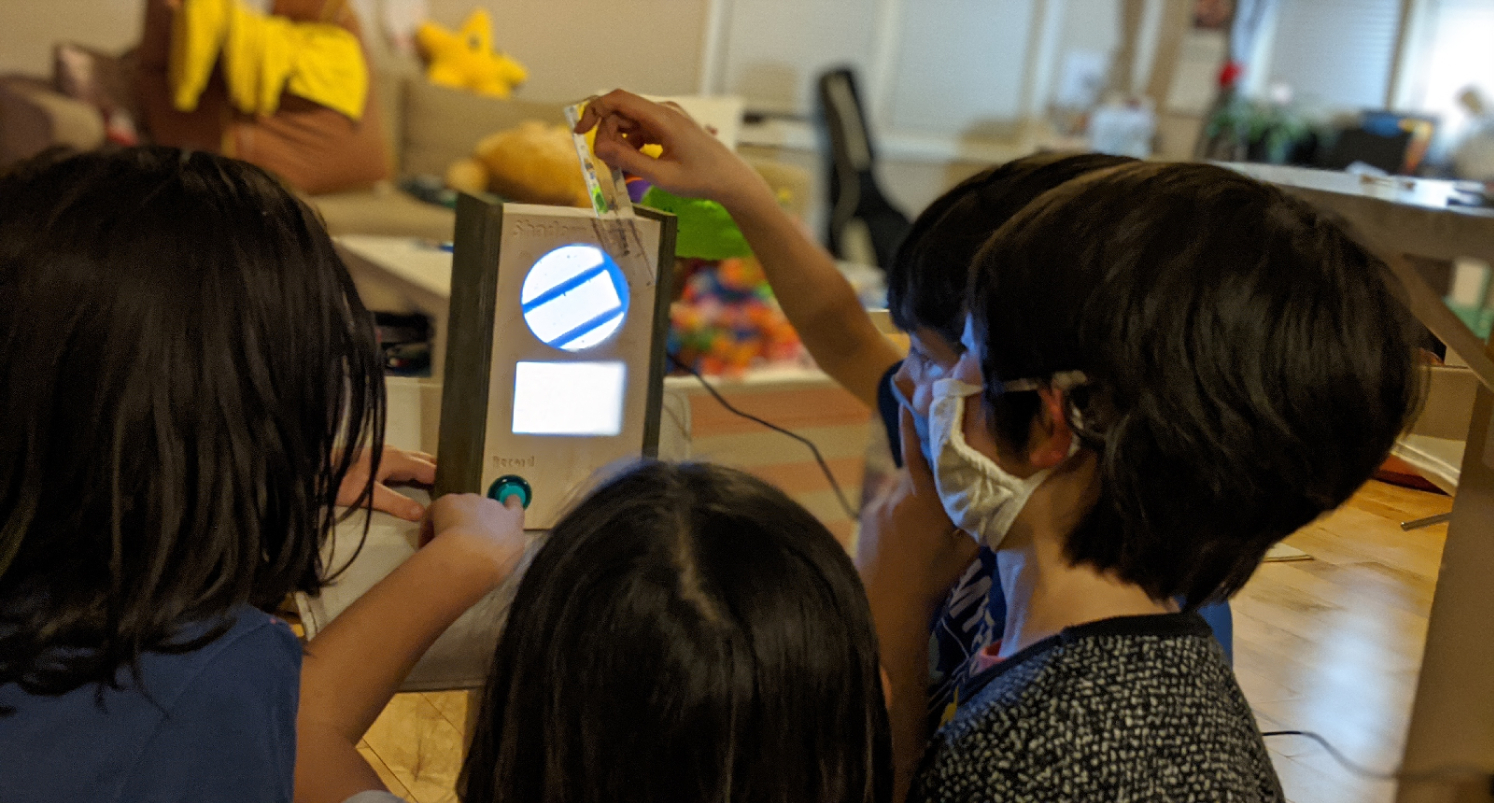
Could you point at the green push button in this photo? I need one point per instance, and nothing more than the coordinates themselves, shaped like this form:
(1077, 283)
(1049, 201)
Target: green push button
(511, 485)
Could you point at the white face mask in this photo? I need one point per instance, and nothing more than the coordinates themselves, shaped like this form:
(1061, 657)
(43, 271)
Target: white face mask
(979, 496)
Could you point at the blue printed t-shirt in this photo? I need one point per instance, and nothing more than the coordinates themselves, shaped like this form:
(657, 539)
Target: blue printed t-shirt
(971, 617)
(218, 724)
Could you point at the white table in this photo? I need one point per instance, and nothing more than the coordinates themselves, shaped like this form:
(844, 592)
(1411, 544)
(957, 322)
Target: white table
(403, 275)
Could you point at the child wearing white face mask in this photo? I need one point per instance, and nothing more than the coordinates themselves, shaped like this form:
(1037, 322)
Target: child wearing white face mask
(979, 496)
(926, 286)
(1168, 369)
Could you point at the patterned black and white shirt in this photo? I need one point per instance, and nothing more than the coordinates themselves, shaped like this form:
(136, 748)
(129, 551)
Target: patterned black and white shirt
(1141, 708)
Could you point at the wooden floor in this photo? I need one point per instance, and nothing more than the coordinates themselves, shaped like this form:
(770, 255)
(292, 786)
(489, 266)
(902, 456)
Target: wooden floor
(1331, 645)
(1334, 644)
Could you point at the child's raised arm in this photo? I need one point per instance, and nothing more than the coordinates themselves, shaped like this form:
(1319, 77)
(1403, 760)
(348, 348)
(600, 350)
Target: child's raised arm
(357, 662)
(815, 297)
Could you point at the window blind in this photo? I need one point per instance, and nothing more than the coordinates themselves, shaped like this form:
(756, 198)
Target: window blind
(1337, 54)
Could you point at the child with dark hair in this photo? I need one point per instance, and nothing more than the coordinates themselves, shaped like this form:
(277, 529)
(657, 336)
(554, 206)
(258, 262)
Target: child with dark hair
(1168, 369)
(925, 294)
(686, 633)
(189, 384)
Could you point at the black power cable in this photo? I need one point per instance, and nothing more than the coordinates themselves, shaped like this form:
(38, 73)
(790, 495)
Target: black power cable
(1440, 774)
(818, 458)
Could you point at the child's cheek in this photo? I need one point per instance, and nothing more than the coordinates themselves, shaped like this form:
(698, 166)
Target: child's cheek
(968, 370)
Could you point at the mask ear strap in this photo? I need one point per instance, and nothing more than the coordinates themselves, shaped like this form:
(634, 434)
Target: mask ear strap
(1065, 381)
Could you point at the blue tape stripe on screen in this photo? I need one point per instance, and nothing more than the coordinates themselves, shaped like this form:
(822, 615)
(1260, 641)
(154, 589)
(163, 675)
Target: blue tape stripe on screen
(565, 287)
(586, 328)
(579, 310)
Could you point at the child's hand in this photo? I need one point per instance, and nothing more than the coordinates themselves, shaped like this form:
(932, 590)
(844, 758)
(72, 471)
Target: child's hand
(481, 527)
(908, 545)
(396, 465)
(694, 163)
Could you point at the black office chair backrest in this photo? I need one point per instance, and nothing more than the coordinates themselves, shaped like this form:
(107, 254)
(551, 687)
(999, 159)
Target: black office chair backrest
(864, 226)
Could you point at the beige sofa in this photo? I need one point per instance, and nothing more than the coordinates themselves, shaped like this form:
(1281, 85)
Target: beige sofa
(429, 127)
(426, 128)
(34, 117)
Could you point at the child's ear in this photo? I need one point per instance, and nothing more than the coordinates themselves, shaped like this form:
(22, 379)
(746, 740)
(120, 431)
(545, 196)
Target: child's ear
(1051, 437)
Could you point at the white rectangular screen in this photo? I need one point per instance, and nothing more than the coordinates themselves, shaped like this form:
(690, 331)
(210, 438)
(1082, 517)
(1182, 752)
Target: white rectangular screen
(569, 398)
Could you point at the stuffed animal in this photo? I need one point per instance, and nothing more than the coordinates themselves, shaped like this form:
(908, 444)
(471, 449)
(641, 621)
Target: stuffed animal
(465, 59)
(261, 56)
(534, 163)
(314, 147)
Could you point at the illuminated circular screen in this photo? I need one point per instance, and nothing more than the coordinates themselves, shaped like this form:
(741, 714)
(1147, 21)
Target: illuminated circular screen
(574, 297)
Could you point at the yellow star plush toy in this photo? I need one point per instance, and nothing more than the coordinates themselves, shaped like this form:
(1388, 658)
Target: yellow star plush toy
(465, 59)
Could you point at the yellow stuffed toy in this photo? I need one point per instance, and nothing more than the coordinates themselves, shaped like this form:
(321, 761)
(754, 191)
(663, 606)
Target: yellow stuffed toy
(262, 56)
(465, 59)
(534, 163)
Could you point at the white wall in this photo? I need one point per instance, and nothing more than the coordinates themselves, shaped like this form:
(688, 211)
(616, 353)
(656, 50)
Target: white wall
(576, 47)
(773, 50)
(1335, 54)
(1093, 25)
(962, 68)
(933, 72)
(29, 28)
(956, 64)
(571, 47)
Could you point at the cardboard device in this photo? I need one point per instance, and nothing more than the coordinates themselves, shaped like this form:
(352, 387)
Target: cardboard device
(556, 362)
(555, 369)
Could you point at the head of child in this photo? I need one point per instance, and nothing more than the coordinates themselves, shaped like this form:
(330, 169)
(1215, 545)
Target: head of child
(1244, 365)
(180, 348)
(686, 633)
(927, 280)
